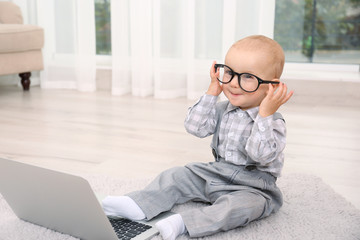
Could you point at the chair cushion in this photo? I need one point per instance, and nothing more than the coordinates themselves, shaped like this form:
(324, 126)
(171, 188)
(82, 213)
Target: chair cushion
(10, 13)
(19, 62)
(20, 37)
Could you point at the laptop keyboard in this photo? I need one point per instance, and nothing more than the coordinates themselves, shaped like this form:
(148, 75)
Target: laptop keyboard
(126, 229)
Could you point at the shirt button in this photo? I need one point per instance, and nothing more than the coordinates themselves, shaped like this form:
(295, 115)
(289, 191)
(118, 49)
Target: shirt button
(262, 129)
(241, 115)
(228, 154)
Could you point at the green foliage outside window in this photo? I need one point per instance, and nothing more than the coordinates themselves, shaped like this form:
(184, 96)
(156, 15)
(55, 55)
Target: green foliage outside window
(318, 26)
(103, 27)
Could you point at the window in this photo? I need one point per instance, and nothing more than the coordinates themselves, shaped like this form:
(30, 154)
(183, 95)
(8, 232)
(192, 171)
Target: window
(103, 27)
(319, 31)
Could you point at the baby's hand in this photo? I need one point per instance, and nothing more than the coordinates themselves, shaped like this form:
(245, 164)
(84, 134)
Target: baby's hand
(215, 87)
(272, 102)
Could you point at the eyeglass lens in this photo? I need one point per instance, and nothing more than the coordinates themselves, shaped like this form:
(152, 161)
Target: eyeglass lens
(247, 82)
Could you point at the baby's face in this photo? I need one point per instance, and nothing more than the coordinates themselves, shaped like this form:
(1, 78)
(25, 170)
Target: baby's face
(242, 60)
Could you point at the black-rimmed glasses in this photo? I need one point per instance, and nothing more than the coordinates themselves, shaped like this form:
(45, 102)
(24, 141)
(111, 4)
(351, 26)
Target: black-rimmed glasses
(247, 81)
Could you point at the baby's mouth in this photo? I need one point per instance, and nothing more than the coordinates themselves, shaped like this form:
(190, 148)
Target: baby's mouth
(235, 94)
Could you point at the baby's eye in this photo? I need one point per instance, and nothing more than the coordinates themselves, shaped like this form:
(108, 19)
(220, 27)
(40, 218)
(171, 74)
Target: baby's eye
(247, 76)
(229, 72)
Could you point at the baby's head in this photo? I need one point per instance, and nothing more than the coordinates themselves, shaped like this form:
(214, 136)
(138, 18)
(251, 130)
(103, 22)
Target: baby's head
(264, 47)
(260, 56)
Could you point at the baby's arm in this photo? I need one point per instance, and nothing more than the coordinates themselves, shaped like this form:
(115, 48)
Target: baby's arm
(268, 135)
(201, 118)
(267, 140)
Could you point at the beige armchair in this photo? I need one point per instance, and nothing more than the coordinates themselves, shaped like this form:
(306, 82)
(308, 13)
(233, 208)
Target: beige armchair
(20, 44)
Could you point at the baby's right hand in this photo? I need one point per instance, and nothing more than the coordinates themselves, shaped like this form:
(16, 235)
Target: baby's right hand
(215, 87)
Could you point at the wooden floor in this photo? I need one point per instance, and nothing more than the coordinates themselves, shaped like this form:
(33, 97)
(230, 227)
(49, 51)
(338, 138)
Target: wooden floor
(125, 136)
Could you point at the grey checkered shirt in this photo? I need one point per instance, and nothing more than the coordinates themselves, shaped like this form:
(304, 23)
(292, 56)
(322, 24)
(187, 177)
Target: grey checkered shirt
(245, 138)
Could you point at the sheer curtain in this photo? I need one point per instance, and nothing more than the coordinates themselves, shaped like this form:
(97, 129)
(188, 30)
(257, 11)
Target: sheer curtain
(165, 48)
(69, 52)
(160, 48)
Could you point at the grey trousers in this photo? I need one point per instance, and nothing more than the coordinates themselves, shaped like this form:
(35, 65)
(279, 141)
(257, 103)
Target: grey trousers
(234, 196)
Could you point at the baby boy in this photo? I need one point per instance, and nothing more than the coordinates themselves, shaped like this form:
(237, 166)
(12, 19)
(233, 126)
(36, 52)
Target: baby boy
(248, 142)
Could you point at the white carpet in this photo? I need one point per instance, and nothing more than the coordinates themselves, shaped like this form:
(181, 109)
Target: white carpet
(311, 210)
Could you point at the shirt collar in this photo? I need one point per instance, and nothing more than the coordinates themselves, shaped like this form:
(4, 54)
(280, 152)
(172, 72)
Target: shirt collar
(252, 112)
(230, 107)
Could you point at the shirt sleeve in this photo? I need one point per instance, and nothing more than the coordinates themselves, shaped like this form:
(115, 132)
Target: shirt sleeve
(267, 140)
(201, 118)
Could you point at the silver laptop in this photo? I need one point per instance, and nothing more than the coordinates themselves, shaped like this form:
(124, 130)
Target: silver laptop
(61, 202)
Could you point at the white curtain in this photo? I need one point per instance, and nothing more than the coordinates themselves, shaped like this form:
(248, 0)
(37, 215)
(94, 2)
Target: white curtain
(160, 48)
(69, 52)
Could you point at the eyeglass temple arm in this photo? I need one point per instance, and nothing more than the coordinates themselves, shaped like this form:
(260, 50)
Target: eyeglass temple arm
(217, 65)
(273, 82)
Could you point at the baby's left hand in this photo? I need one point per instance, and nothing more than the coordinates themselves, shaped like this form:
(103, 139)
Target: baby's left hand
(273, 100)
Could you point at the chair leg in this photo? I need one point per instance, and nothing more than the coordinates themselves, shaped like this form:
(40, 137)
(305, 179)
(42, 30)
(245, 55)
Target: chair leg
(25, 80)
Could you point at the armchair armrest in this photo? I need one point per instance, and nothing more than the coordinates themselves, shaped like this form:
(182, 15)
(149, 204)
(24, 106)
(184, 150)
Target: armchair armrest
(10, 13)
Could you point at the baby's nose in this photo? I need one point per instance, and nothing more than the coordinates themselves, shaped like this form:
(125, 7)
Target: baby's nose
(235, 82)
